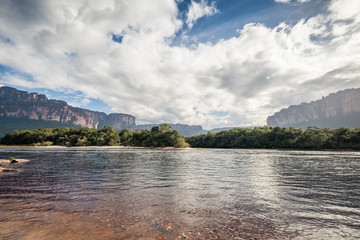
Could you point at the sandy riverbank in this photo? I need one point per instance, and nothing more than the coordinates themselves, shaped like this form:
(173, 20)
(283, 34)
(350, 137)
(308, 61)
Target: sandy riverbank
(113, 147)
(7, 162)
(95, 147)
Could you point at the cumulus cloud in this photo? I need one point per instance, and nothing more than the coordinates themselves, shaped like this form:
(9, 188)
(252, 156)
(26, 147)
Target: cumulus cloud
(198, 10)
(289, 1)
(282, 1)
(239, 81)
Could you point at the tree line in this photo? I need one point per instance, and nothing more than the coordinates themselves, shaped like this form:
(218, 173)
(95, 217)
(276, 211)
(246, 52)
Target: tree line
(278, 137)
(164, 136)
(158, 136)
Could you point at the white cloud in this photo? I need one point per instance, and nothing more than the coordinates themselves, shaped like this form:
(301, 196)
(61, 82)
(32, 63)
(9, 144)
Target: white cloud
(85, 101)
(198, 10)
(77, 101)
(282, 1)
(289, 1)
(68, 45)
(345, 10)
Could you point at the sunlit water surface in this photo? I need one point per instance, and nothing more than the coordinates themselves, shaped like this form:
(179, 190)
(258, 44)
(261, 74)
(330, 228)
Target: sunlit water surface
(177, 194)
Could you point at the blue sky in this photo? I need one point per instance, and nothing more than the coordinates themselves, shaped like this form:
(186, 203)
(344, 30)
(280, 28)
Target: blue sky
(73, 98)
(233, 15)
(213, 63)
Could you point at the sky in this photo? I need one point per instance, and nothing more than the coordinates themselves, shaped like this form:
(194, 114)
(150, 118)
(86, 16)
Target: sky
(220, 63)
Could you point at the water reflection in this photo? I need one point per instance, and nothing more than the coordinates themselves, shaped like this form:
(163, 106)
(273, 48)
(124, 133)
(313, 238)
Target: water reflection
(322, 191)
(196, 194)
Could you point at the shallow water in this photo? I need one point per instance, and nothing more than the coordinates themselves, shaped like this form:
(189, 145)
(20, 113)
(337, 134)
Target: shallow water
(178, 194)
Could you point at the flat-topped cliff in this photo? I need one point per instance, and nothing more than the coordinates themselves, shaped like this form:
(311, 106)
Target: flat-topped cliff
(21, 104)
(341, 109)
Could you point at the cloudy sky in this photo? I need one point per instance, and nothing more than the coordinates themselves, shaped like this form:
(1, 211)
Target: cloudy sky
(214, 63)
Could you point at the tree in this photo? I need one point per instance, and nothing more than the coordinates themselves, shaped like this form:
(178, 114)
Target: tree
(165, 127)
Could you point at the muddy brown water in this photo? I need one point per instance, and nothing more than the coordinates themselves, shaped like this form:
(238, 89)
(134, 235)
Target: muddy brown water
(178, 194)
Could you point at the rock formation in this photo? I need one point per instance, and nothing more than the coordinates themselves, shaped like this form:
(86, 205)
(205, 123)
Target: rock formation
(341, 109)
(21, 104)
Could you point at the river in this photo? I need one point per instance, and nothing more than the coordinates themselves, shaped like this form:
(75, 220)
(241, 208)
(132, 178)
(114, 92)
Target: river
(70, 193)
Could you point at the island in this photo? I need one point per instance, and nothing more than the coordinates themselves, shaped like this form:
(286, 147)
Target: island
(158, 137)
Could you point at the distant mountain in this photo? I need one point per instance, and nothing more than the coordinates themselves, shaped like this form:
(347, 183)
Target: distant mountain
(21, 105)
(341, 109)
(9, 124)
(184, 129)
(225, 129)
(23, 110)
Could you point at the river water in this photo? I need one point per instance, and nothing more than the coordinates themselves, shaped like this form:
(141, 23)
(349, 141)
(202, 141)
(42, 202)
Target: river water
(89, 194)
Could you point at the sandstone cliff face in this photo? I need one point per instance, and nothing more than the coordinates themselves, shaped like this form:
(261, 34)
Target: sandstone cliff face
(337, 105)
(21, 104)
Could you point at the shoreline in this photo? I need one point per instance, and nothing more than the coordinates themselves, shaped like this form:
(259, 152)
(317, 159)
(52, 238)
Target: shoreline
(167, 148)
(92, 147)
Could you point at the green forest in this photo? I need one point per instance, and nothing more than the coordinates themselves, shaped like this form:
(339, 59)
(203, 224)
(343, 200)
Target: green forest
(159, 136)
(164, 136)
(277, 137)
(9, 124)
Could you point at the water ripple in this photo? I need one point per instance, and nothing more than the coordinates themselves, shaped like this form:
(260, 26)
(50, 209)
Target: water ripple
(196, 194)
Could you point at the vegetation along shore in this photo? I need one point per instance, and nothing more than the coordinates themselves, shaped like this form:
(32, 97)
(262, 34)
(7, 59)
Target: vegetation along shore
(159, 136)
(163, 136)
(280, 137)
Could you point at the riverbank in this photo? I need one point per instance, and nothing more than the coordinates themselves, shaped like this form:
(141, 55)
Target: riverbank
(172, 148)
(112, 147)
(93, 147)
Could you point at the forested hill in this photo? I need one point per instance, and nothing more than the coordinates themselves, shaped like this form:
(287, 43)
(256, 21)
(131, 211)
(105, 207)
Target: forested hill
(184, 129)
(164, 136)
(159, 136)
(288, 138)
(9, 124)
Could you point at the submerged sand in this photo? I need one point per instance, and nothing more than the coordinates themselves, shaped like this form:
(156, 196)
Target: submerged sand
(95, 147)
(112, 147)
(6, 162)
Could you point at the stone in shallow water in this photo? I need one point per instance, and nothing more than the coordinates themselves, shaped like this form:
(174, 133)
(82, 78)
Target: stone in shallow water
(4, 162)
(8, 170)
(7, 161)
